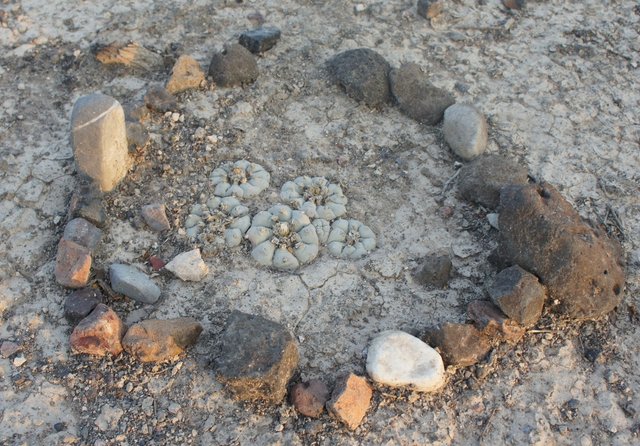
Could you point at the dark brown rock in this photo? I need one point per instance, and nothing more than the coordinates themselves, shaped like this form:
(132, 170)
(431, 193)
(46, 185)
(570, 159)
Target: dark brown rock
(159, 99)
(98, 334)
(83, 233)
(493, 323)
(156, 340)
(580, 266)
(309, 397)
(459, 344)
(429, 8)
(514, 4)
(155, 215)
(364, 74)
(234, 66)
(80, 303)
(86, 202)
(519, 295)
(480, 180)
(435, 270)
(257, 358)
(73, 264)
(350, 400)
(416, 96)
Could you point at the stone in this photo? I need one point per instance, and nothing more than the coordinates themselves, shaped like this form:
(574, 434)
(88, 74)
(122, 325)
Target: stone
(137, 136)
(86, 202)
(160, 100)
(519, 295)
(309, 397)
(260, 39)
(481, 180)
(416, 96)
(459, 344)
(19, 361)
(108, 418)
(186, 75)
(156, 263)
(133, 283)
(364, 75)
(514, 4)
(99, 140)
(80, 303)
(429, 8)
(188, 266)
(73, 264)
(155, 215)
(435, 270)
(156, 340)
(350, 400)
(8, 348)
(493, 323)
(131, 55)
(83, 233)
(233, 66)
(98, 334)
(397, 359)
(257, 358)
(580, 266)
(465, 130)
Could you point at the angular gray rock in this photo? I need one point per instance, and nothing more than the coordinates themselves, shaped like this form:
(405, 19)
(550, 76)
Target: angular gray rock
(580, 266)
(99, 139)
(188, 266)
(83, 233)
(257, 358)
(480, 180)
(434, 270)
(155, 215)
(519, 295)
(364, 74)
(416, 96)
(397, 359)
(233, 66)
(465, 130)
(260, 39)
(159, 99)
(133, 283)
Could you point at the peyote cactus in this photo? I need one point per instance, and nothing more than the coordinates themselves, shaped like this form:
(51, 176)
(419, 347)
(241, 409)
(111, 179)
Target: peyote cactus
(315, 196)
(350, 239)
(241, 179)
(283, 238)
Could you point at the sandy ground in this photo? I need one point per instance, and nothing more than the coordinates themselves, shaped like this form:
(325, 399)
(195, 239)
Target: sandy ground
(559, 83)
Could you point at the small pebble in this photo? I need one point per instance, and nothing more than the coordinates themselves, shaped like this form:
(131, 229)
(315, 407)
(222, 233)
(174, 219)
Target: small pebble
(19, 361)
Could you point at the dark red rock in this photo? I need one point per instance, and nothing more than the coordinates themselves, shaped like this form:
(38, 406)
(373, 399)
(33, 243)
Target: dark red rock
(80, 303)
(73, 264)
(519, 295)
(350, 400)
(98, 334)
(309, 397)
(580, 266)
(493, 323)
(459, 344)
(156, 263)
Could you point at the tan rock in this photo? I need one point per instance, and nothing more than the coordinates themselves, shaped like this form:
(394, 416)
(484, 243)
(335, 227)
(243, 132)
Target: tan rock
(459, 344)
(73, 264)
(98, 334)
(156, 340)
(186, 74)
(350, 400)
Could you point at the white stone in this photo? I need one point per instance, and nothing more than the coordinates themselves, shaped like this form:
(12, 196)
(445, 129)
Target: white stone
(465, 130)
(397, 359)
(188, 266)
(108, 418)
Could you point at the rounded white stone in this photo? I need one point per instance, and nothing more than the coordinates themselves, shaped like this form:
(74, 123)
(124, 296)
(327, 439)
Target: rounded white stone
(465, 130)
(188, 266)
(397, 359)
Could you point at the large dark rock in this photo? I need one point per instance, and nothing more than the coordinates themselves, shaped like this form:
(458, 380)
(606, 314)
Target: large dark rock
(364, 74)
(519, 295)
(481, 179)
(260, 39)
(416, 96)
(257, 358)
(580, 266)
(235, 65)
(459, 344)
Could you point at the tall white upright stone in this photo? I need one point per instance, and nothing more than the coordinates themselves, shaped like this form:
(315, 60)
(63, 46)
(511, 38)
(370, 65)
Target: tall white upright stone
(99, 139)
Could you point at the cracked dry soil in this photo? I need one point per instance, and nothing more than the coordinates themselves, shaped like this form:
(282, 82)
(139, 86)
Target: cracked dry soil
(558, 82)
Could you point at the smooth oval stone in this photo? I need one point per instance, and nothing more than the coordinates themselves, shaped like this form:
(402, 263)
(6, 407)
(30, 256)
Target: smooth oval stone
(397, 359)
(465, 130)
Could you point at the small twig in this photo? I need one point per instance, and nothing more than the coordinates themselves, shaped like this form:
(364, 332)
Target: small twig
(541, 331)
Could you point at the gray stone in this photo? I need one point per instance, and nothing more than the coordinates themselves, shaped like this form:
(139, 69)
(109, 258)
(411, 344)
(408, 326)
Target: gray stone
(435, 270)
(480, 180)
(459, 344)
(99, 139)
(416, 96)
(519, 295)
(188, 266)
(580, 266)
(159, 99)
(233, 66)
(257, 358)
(80, 303)
(83, 233)
(465, 130)
(86, 202)
(364, 74)
(397, 359)
(429, 8)
(133, 283)
(137, 136)
(260, 39)
(155, 215)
